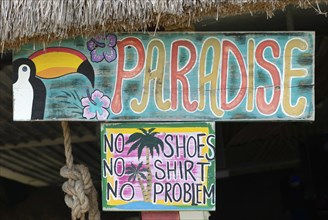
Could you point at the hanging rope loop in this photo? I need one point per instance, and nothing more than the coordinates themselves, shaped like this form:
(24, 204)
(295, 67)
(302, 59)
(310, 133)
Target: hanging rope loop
(81, 195)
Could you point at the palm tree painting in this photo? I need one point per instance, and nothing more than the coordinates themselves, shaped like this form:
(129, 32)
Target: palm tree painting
(146, 140)
(135, 172)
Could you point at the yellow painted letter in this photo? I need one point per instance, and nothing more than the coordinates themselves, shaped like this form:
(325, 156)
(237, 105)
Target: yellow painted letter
(289, 74)
(157, 74)
(211, 78)
(250, 94)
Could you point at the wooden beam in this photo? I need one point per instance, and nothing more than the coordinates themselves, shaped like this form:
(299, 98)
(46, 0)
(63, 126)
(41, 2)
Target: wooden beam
(17, 168)
(9, 174)
(28, 166)
(48, 142)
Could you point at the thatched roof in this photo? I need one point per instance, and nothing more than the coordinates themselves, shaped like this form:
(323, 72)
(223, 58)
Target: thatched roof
(45, 20)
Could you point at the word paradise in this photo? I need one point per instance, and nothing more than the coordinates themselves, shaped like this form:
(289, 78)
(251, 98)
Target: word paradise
(193, 76)
(216, 63)
(158, 166)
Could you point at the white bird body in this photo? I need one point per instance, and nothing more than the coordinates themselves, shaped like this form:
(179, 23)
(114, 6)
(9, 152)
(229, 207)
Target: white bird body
(23, 95)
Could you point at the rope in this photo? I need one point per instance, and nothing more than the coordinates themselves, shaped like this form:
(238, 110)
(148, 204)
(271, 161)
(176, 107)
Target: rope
(81, 195)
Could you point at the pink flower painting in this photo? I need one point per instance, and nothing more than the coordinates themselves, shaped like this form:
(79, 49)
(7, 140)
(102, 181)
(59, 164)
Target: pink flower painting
(96, 105)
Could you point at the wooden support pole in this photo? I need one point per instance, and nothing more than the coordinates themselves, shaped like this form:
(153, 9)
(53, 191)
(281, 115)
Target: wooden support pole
(194, 215)
(184, 215)
(10, 174)
(160, 215)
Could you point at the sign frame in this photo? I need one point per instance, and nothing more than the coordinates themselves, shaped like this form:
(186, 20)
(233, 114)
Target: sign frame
(198, 173)
(173, 76)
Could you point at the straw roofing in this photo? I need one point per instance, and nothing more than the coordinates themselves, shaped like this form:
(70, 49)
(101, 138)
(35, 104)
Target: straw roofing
(46, 20)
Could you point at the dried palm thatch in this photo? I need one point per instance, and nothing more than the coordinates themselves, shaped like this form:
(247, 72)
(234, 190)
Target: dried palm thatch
(47, 20)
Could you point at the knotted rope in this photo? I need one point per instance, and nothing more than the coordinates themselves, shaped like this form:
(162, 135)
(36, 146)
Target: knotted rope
(81, 195)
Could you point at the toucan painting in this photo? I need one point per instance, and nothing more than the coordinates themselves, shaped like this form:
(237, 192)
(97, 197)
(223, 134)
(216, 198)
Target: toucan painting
(53, 62)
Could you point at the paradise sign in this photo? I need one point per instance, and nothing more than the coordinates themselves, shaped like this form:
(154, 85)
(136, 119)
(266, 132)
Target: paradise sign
(170, 76)
(159, 166)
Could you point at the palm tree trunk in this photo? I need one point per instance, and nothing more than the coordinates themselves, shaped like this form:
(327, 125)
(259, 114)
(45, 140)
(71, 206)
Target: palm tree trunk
(149, 177)
(143, 190)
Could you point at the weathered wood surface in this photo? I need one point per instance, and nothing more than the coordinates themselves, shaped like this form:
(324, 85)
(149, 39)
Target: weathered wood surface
(170, 76)
(160, 215)
(158, 166)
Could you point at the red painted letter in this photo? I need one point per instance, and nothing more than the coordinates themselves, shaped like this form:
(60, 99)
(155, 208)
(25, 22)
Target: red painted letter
(177, 74)
(125, 74)
(229, 46)
(263, 106)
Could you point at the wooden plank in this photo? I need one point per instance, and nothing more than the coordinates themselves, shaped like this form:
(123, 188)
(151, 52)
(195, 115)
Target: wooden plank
(204, 76)
(162, 166)
(7, 173)
(48, 142)
(194, 215)
(160, 215)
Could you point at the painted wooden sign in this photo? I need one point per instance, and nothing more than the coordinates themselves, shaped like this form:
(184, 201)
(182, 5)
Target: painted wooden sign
(158, 166)
(170, 76)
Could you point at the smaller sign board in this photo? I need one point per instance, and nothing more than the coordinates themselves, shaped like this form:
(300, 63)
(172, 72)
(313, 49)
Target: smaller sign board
(158, 166)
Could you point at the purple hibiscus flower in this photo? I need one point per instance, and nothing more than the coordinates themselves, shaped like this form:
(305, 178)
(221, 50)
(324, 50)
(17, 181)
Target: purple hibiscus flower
(102, 47)
(96, 105)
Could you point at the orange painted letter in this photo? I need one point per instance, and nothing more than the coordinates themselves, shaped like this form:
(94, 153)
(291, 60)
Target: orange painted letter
(271, 106)
(126, 74)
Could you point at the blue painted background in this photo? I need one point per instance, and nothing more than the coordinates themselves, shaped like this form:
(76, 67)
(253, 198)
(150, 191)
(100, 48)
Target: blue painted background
(64, 94)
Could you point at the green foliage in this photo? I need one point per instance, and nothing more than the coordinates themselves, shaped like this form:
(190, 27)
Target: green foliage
(145, 139)
(135, 171)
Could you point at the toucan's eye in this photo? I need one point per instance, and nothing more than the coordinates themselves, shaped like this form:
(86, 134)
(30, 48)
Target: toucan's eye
(24, 68)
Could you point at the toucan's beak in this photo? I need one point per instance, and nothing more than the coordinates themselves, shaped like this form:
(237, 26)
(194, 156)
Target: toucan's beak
(55, 62)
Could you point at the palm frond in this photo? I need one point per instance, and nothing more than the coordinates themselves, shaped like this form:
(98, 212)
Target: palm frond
(143, 176)
(156, 148)
(129, 172)
(129, 168)
(77, 95)
(73, 95)
(145, 139)
(150, 130)
(67, 93)
(158, 141)
(140, 148)
(143, 130)
(161, 144)
(134, 146)
(130, 178)
(133, 137)
(153, 134)
(139, 165)
(155, 142)
(133, 166)
(151, 150)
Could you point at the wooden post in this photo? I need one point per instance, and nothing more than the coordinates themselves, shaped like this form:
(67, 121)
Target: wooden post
(184, 215)
(160, 215)
(194, 215)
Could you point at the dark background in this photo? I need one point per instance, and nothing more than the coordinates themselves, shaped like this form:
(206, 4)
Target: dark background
(266, 171)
